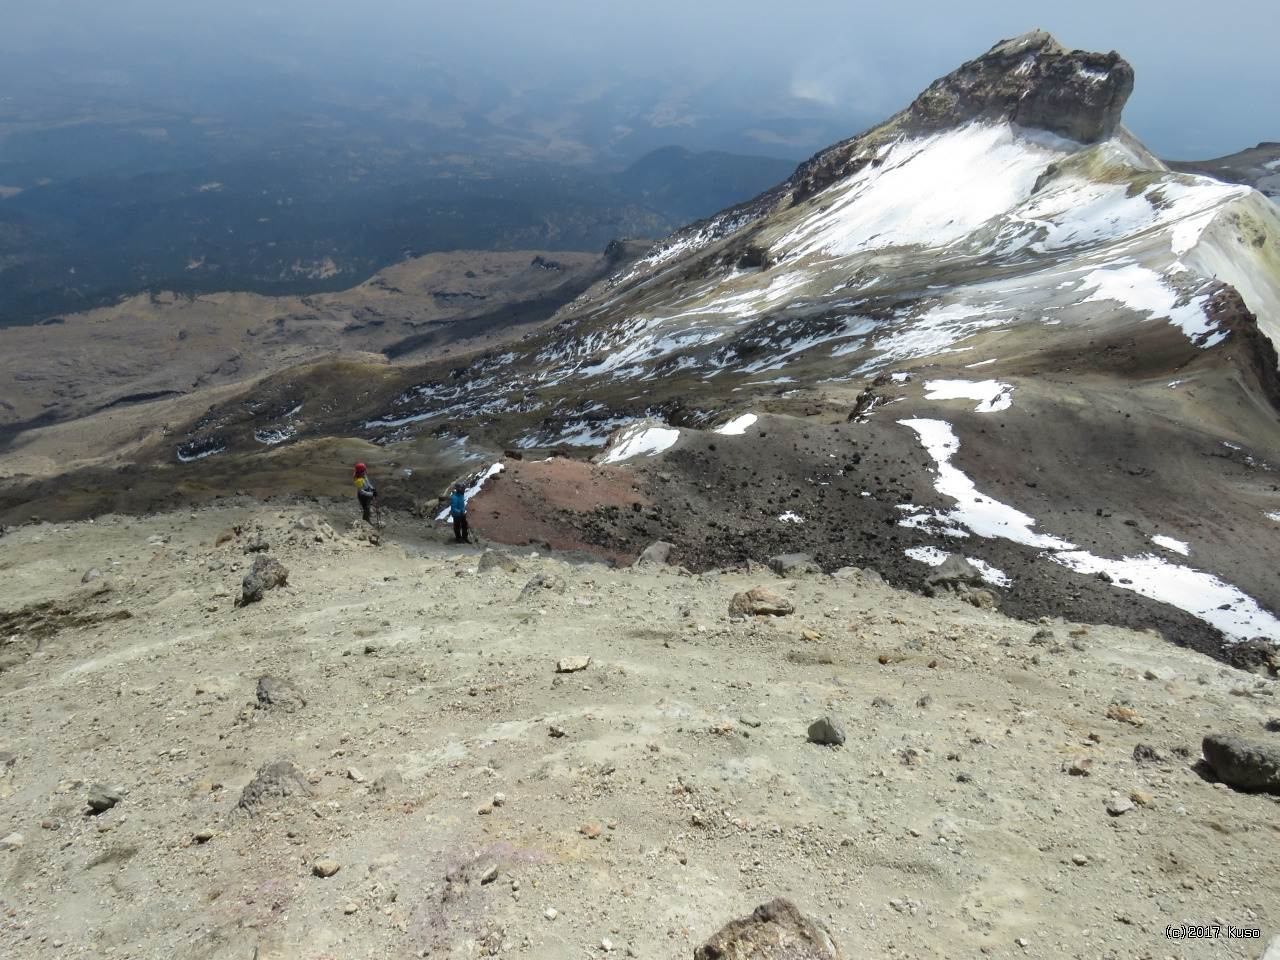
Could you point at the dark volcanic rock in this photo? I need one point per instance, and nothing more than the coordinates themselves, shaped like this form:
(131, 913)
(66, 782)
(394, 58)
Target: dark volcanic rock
(279, 694)
(775, 931)
(1243, 764)
(1033, 81)
(274, 781)
(267, 574)
(1258, 655)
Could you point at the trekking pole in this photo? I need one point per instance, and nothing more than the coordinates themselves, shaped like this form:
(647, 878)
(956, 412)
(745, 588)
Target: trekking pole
(377, 506)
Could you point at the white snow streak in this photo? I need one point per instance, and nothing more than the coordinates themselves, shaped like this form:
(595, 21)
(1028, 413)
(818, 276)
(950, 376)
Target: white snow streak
(1201, 594)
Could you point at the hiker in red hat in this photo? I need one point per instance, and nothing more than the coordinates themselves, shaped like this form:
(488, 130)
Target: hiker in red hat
(365, 492)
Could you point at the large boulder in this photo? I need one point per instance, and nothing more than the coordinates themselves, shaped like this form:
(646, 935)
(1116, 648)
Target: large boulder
(1243, 764)
(775, 931)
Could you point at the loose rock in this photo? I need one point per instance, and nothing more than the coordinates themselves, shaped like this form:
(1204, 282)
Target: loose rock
(1243, 764)
(497, 560)
(775, 931)
(543, 581)
(655, 553)
(760, 601)
(572, 664)
(268, 573)
(274, 781)
(325, 868)
(102, 798)
(794, 565)
(827, 730)
(275, 693)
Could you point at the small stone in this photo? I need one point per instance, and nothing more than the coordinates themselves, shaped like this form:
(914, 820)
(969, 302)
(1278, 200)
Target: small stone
(490, 874)
(354, 774)
(325, 868)
(485, 810)
(203, 835)
(747, 720)
(1118, 806)
(1079, 859)
(103, 798)
(93, 573)
(551, 913)
(589, 830)
(555, 730)
(499, 799)
(1079, 766)
(1162, 674)
(13, 841)
(606, 945)
(811, 634)
(350, 908)
(572, 664)
(1141, 797)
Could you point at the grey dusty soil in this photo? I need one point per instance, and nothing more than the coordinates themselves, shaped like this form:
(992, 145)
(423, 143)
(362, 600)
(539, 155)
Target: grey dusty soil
(424, 721)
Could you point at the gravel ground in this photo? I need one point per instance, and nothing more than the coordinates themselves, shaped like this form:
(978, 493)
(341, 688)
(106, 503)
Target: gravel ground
(477, 802)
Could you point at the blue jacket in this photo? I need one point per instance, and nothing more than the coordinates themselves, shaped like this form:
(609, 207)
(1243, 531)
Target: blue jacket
(458, 503)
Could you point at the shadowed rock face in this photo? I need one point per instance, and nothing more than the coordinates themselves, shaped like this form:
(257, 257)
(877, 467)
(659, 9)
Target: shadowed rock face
(1035, 82)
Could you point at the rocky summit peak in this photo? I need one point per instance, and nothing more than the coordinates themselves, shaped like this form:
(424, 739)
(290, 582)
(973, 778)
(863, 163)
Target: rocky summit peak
(1032, 80)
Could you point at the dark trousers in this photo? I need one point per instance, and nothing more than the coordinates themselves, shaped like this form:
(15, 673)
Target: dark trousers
(460, 532)
(365, 504)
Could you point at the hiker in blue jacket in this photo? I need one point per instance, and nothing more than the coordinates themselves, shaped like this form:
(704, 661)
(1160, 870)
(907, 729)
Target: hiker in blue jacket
(458, 508)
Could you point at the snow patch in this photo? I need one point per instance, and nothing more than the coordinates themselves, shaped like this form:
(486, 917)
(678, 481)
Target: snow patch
(1144, 290)
(790, 517)
(737, 426)
(993, 394)
(643, 438)
(936, 556)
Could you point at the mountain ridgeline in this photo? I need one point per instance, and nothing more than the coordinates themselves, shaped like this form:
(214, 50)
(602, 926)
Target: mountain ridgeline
(993, 327)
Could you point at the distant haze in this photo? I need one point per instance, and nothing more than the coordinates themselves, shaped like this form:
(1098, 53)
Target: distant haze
(589, 82)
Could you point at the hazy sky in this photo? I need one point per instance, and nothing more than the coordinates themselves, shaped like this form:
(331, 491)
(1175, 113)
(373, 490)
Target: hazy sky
(1208, 78)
